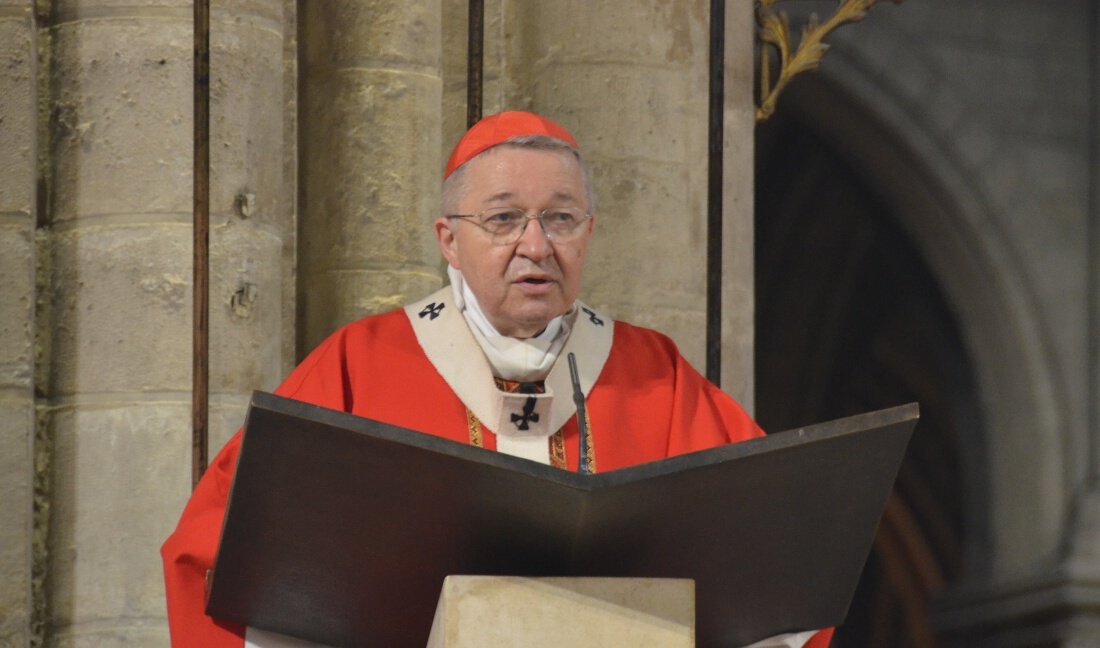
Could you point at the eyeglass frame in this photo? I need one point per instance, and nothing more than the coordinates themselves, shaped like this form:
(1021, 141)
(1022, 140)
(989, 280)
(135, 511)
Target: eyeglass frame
(474, 218)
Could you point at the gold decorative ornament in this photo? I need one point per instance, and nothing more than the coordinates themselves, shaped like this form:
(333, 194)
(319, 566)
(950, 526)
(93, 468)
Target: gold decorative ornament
(775, 31)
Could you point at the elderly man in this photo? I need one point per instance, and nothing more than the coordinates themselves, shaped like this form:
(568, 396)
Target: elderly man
(482, 360)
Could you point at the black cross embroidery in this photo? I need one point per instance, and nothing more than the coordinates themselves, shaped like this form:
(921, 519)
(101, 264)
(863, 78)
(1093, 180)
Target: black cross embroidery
(529, 415)
(592, 316)
(432, 309)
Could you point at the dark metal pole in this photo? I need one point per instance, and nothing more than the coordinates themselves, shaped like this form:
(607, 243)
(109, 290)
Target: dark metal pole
(1093, 237)
(714, 189)
(200, 366)
(474, 47)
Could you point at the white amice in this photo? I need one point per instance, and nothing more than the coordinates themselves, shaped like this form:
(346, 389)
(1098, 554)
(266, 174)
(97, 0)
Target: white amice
(256, 638)
(524, 360)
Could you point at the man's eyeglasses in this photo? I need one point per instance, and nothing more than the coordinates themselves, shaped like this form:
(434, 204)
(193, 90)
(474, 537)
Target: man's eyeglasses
(506, 224)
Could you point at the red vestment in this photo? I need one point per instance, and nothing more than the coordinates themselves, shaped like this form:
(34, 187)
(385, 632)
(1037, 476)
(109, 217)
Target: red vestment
(647, 404)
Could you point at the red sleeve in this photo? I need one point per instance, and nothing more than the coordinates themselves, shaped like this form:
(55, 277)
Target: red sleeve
(189, 551)
(821, 639)
(704, 415)
(673, 410)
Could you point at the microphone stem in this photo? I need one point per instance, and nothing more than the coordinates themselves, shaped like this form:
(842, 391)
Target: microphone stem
(582, 423)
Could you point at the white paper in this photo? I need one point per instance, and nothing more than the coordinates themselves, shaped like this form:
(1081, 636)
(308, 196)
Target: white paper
(255, 638)
(796, 640)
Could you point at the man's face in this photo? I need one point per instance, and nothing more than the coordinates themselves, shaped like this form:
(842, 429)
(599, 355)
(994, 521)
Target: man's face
(521, 286)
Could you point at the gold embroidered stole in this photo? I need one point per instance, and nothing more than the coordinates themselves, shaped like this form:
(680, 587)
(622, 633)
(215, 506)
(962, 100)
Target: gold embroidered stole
(556, 440)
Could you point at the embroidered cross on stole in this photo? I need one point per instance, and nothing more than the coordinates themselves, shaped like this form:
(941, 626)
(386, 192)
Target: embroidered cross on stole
(556, 440)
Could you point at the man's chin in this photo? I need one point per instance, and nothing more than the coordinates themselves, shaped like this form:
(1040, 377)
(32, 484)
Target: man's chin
(529, 322)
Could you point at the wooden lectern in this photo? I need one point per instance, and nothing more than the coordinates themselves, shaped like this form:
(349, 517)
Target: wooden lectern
(341, 530)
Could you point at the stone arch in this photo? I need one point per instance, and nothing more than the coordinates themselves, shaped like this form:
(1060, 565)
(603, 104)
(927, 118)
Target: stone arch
(849, 319)
(915, 167)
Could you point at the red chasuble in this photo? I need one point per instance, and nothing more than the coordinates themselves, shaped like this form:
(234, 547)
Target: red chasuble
(646, 403)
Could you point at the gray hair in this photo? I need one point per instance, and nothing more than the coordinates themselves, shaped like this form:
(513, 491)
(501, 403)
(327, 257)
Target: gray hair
(456, 185)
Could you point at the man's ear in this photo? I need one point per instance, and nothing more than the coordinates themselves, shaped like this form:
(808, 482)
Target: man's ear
(448, 244)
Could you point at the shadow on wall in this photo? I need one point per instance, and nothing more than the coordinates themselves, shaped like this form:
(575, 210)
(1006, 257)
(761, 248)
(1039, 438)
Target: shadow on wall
(851, 319)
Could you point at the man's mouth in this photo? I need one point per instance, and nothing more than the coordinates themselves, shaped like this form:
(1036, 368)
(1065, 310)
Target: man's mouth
(535, 284)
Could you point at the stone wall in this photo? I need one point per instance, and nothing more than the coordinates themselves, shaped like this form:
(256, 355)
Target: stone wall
(371, 88)
(18, 210)
(115, 321)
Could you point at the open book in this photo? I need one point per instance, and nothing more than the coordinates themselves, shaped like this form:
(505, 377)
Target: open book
(340, 529)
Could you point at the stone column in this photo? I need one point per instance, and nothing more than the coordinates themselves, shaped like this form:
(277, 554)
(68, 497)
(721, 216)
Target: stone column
(631, 84)
(118, 330)
(370, 159)
(738, 260)
(454, 28)
(252, 204)
(18, 78)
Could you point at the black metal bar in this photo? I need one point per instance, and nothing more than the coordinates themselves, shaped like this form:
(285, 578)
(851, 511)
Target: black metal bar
(715, 134)
(1093, 237)
(200, 353)
(475, 37)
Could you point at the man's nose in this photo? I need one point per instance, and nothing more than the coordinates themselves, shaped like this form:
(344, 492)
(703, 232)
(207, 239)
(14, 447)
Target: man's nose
(533, 243)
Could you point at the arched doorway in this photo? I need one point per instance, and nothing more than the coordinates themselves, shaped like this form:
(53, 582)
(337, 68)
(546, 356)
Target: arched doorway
(849, 319)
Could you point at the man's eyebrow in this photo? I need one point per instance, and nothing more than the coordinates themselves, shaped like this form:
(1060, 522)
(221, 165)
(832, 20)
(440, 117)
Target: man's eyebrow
(502, 196)
(505, 196)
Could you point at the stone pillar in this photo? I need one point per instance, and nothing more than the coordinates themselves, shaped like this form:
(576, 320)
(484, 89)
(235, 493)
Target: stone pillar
(252, 204)
(118, 332)
(18, 78)
(454, 28)
(631, 84)
(370, 159)
(738, 260)
(632, 87)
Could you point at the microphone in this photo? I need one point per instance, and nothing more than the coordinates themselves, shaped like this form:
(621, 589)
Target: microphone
(582, 425)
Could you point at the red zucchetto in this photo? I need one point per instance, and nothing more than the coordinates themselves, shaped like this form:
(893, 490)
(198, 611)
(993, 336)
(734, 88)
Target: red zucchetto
(498, 128)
